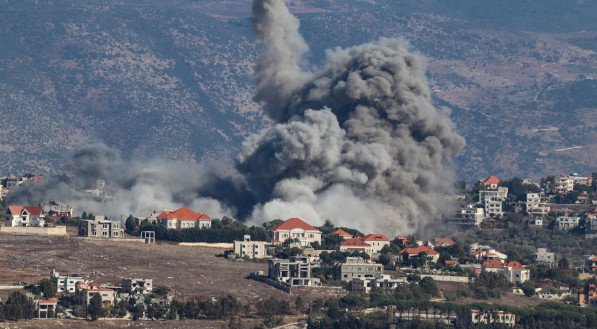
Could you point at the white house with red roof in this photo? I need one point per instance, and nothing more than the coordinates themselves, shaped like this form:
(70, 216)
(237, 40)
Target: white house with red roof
(356, 244)
(492, 182)
(376, 241)
(24, 216)
(343, 234)
(408, 253)
(184, 218)
(443, 242)
(513, 271)
(296, 228)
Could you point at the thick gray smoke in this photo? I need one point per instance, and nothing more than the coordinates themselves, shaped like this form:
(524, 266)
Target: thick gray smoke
(358, 141)
(132, 187)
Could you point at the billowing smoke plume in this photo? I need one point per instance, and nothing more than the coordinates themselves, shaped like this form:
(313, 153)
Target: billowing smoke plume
(131, 187)
(358, 141)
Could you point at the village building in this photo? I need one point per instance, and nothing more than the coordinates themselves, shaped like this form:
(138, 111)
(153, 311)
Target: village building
(491, 182)
(536, 222)
(481, 252)
(563, 184)
(345, 235)
(24, 216)
(489, 317)
(492, 200)
(58, 210)
(355, 244)
(566, 223)
(376, 241)
(356, 267)
(100, 227)
(591, 264)
(296, 229)
(537, 204)
(137, 286)
(409, 253)
(513, 271)
(443, 242)
(251, 249)
(84, 291)
(588, 296)
(295, 271)
(46, 308)
(183, 218)
(382, 282)
(545, 257)
(65, 283)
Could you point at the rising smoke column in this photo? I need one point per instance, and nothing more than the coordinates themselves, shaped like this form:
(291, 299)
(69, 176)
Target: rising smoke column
(357, 141)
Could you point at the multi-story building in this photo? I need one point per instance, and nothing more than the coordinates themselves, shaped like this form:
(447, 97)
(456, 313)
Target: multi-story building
(566, 223)
(491, 182)
(296, 229)
(409, 253)
(545, 257)
(65, 283)
(251, 249)
(537, 204)
(100, 227)
(58, 210)
(355, 244)
(383, 282)
(489, 317)
(183, 218)
(513, 271)
(86, 290)
(563, 185)
(355, 267)
(137, 286)
(376, 241)
(471, 214)
(24, 216)
(46, 308)
(295, 271)
(492, 200)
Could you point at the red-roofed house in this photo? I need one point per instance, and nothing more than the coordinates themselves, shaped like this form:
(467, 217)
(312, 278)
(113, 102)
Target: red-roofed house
(356, 244)
(296, 228)
(86, 290)
(345, 235)
(46, 308)
(513, 271)
(587, 296)
(376, 241)
(184, 218)
(408, 253)
(24, 216)
(443, 242)
(492, 182)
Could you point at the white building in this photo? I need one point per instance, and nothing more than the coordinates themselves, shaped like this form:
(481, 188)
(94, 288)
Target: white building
(492, 200)
(295, 271)
(566, 223)
(545, 257)
(513, 271)
(376, 241)
(473, 214)
(379, 281)
(137, 286)
(183, 218)
(563, 185)
(488, 317)
(251, 249)
(24, 216)
(537, 204)
(296, 229)
(65, 283)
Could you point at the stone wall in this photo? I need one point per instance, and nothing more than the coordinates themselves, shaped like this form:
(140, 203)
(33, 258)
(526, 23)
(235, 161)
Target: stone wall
(58, 230)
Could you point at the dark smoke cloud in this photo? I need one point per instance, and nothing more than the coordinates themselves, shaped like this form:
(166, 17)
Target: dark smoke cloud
(358, 140)
(132, 187)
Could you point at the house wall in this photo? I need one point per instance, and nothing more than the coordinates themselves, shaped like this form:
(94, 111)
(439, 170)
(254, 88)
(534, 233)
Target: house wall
(58, 230)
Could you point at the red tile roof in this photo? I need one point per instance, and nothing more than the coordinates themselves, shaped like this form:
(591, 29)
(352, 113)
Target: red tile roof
(450, 261)
(444, 241)
(492, 180)
(376, 237)
(48, 301)
(341, 232)
(515, 265)
(183, 214)
(293, 223)
(354, 242)
(494, 263)
(418, 250)
(34, 211)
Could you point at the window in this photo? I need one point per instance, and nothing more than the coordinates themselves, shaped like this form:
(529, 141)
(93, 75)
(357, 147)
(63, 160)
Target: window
(104, 233)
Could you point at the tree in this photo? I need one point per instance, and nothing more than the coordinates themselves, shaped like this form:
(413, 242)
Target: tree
(132, 225)
(95, 308)
(428, 286)
(18, 306)
(48, 288)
